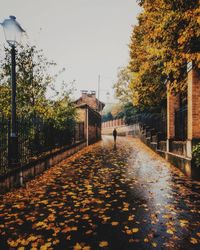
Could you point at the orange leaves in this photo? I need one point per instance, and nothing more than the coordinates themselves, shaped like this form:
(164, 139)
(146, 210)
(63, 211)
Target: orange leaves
(45, 246)
(69, 229)
(184, 223)
(13, 243)
(41, 224)
(131, 218)
(135, 230)
(103, 244)
(51, 217)
(77, 247)
(131, 231)
(194, 241)
(170, 231)
(136, 200)
(81, 247)
(19, 206)
(114, 223)
(158, 44)
(21, 243)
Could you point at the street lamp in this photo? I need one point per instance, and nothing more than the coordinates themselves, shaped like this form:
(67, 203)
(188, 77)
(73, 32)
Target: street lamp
(13, 32)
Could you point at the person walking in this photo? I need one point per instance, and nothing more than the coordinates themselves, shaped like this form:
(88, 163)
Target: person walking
(115, 135)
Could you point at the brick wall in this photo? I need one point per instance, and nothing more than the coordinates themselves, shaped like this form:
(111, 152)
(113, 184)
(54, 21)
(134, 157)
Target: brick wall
(113, 123)
(193, 104)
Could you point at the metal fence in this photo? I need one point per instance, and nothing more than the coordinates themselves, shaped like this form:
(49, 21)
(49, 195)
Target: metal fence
(156, 121)
(35, 137)
(181, 124)
(4, 128)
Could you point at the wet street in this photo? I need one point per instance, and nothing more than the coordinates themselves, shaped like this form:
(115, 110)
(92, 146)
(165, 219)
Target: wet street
(104, 197)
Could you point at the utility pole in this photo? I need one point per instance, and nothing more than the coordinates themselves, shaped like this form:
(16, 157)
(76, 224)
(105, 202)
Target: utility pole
(99, 79)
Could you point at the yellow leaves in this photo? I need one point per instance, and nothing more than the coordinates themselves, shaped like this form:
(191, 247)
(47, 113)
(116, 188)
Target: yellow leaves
(12, 243)
(193, 240)
(41, 224)
(131, 218)
(135, 230)
(19, 206)
(21, 248)
(132, 231)
(45, 202)
(198, 234)
(105, 218)
(169, 231)
(126, 206)
(103, 244)
(45, 246)
(86, 248)
(129, 232)
(51, 217)
(102, 191)
(79, 247)
(74, 229)
(32, 238)
(184, 223)
(154, 244)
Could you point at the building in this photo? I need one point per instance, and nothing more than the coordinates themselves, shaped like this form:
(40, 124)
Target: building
(90, 99)
(89, 111)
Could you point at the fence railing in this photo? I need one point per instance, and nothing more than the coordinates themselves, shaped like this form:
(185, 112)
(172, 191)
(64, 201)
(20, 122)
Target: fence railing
(35, 137)
(4, 132)
(181, 124)
(156, 121)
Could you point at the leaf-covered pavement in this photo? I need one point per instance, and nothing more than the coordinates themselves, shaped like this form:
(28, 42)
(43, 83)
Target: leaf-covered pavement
(104, 197)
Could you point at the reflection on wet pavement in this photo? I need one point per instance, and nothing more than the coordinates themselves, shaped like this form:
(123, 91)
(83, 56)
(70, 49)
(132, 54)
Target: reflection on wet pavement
(107, 196)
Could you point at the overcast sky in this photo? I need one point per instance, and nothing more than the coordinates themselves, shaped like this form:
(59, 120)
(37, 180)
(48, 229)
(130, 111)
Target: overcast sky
(87, 37)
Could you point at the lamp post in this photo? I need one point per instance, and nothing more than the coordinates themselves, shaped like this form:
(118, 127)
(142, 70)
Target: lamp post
(13, 32)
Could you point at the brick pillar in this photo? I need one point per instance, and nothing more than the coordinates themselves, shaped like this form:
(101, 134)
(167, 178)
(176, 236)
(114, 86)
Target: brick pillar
(173, 103)
(193, 82)
(117, 122)
(193, 104)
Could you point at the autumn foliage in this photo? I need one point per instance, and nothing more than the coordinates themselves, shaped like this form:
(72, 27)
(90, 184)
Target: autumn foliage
(165, 39)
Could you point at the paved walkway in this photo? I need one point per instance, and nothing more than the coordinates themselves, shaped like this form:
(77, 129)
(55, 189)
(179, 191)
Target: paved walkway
(104, 197)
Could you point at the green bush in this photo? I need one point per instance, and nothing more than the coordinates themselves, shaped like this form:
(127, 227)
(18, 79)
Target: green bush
(196, 154)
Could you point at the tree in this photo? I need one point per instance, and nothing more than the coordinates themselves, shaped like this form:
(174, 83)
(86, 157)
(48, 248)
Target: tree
(122, 86)
(165, 39)
(33, 81)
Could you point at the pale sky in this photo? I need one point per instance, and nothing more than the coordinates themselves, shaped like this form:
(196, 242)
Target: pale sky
(87, 37)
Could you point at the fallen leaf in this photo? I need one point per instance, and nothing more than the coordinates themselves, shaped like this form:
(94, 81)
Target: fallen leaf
(114, 223)
(194, 241)
(77, 246)
(154, 244)
(135, 230)
(103, 244)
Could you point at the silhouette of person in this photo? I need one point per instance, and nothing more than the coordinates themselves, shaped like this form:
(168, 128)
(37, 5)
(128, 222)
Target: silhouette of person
(115, 135)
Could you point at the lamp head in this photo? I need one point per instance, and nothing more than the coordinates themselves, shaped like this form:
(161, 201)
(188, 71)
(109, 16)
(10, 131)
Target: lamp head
(12, 30)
